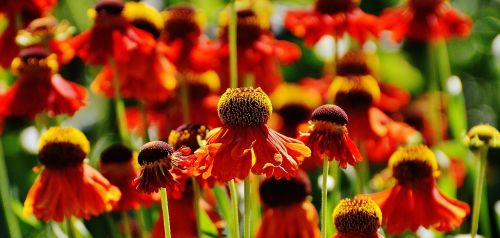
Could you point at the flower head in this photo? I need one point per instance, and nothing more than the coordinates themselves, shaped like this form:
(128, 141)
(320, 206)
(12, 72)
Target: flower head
(482, 135)
(67, 187)
(357, 218)
(412, 164)
(144, 17)
(244, 107)
(328, 136)
(182, 22)
(189, 135)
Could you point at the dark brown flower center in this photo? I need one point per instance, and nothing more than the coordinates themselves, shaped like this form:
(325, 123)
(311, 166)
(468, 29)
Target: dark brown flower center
(409, 172)
(335, 6)
(294, 114)
(425, 5)
(244, 107)
(154, 151)
(353, 63)
(147, 26)
(188, 135)
(116, 154)
(56, 155)
(111, 7)
(354, 99)
(248, 29)
(283, 192)
(181, 24)
(357, 217)
(330, 113)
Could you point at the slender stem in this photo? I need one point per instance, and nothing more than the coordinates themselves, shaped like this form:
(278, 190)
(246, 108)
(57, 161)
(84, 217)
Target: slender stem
(248, 207)
(434, 86)
(197, 211)
(235, 223)
(478, 190)
(336, 194)
(70, 228)
(141, 223)
(144, 117)
(10, 218)
(324, 198)
(126, 225)
(233, 51)
(184, 93)
(164, 208)
(120, 106)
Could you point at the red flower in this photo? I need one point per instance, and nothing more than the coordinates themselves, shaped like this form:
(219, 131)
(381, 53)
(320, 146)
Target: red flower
(416, 195)
(228, 153)
(258, 53)
(425, 20)
(67, 187)
(38, 89)
(332, 17)
(328, 136)
(112, 36)
(358, 218)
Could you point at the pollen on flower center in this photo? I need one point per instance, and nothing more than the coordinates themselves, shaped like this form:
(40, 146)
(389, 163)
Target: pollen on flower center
(116, 154)
(244, 107)
(188, 135)
(413, 164)
(330, 113)
(61, 147)
(154, 151)
(335, 6)
(358, 216)
(113, 7)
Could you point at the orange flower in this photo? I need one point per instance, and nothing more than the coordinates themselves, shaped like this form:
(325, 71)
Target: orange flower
(258, 53)
(416, 195)
(332, 17)
(328, 136)
(39, 89)
(146, 75)
(358, 218)
(288, 213)
(425, 20)
(118, 167)
(67, 187)
(112, 36)
(228, 153)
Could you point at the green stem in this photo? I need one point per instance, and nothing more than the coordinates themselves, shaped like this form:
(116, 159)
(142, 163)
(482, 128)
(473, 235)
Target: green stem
(184, 93)
(144, 117)
(120, 106)
(126, 225)
(141, 223)
(478, 190)
(434, 89)
(324, 198)
(235, 223)
(164, 208)
(233, 53)
(70, 228)
(10, 218)
(335, 171)
(248, 207)
(197, 211)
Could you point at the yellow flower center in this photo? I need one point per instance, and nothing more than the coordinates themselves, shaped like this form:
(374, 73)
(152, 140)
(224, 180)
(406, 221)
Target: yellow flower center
(483, 135)
(335, 6)
(354, 91)
(61, 147)
(358, 216)
(244, 107)
(189, 135)
(144, 17)
(413, 164)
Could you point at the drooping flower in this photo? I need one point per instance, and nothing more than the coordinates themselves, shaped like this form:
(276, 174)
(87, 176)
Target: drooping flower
(39, 89)
(357, 218)
(288, 213)
(416, 195)
(425, 20)
(111, 36)
(228, 153)
(258, 53)
(146, 75)
(328, 136)
(117, 165)
(334, 18)
(67, 186)
(482, 135)
(162, 167)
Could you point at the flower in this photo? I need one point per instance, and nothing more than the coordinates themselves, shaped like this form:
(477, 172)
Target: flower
(425, 20)
(189, 135)
(161, 167)
(358, 218)
(258, 53)
(482, 135)
(416, 194)
(145, 75)
(332, 17)
(287, 212)
(112, 36)
(117, 165)
(228, 154)
(39, 89)
(66, 186)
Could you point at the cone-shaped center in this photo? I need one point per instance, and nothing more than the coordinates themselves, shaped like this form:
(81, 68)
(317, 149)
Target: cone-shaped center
(330, 113)
(359, 216)
(244, 107)
(154, 151)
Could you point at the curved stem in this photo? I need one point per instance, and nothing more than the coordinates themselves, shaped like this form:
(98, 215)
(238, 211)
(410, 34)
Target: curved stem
(235, 223)
(324, 198)
(196, 198)
(478, 190)
(233, 53)
(164, 208)
(10, 218)
(247, 226)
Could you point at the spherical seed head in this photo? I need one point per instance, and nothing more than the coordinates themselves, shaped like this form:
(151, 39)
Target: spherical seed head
(61, 147)
(116, 153)
(244, 107)
(358, 216)
(114, 7)
(284, 192)
(483, 135)
(154, 151)
(412, 164)
(330, 113)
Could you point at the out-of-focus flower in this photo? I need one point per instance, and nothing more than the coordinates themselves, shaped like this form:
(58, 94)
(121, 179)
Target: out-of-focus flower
(25, 11)
(328, 136)
(38, 87)
(482, 135)
(288, 213)
(258, 53)
(162, 167)
(332, 17)
(111, 37)
(416, 195)
(189, 135)
(425, 20)
(357, 218)
(190, 51)
(66, 186)
(245, 143)
(117, 165)
(203, 97)
(145, 75)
